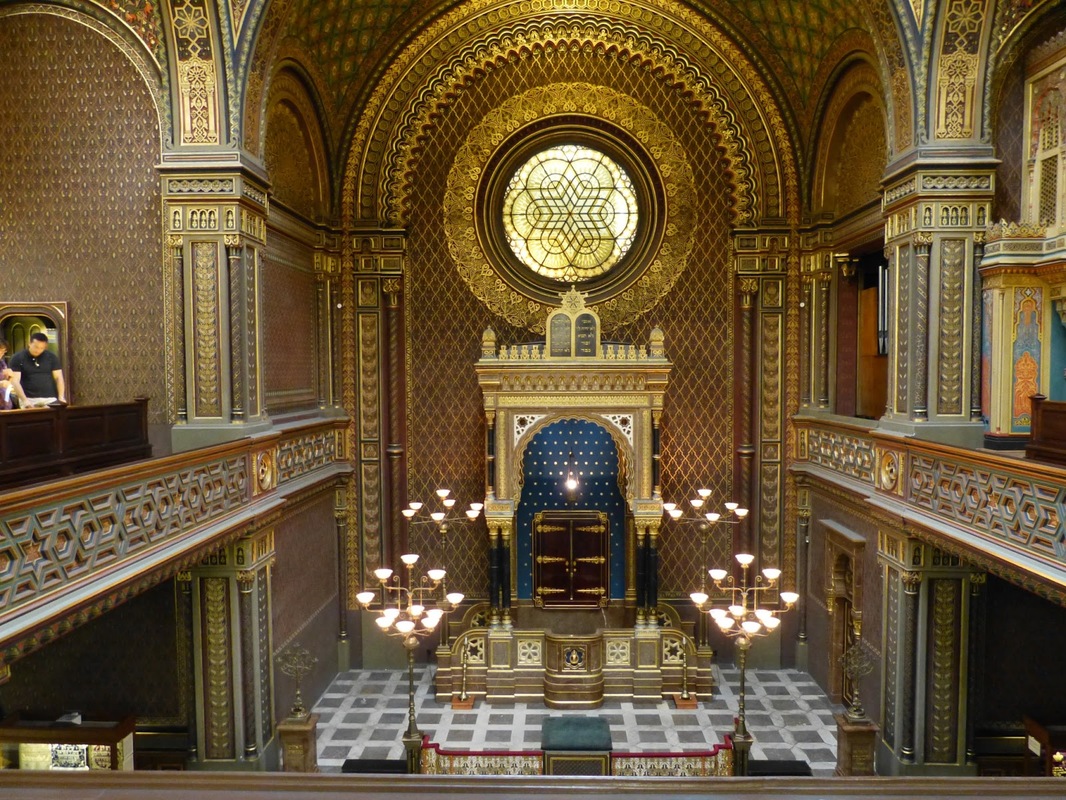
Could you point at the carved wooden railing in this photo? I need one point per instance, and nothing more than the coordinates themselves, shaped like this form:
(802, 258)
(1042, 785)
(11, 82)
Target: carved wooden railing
(715, 761)
(1003, 514)
(73, 548)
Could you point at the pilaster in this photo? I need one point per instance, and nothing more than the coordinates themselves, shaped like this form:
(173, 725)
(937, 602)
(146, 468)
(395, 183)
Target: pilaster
(935, 214)
(761, 266)
(927, 606)
(215, 220)
(233, 668)
(375, 258)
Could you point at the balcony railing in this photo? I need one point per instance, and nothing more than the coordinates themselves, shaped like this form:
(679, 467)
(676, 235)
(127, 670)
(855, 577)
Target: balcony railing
(73, 548)
(1000, 512)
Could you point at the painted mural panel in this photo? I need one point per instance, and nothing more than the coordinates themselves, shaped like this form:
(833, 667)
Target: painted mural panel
(986, 355)
(1025, 355)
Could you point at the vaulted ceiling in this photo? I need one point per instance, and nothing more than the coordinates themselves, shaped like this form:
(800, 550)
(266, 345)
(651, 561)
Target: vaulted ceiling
(799, 42)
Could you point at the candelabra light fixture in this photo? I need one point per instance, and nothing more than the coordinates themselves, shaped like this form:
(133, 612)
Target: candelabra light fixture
(443, 520)
(409, 609)
(745, 618)
(703, 521)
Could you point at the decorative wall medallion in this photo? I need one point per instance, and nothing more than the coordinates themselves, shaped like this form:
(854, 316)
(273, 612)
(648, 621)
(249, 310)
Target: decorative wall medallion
(265, 471)
(888, 469)
(586, 193)
(574, 658)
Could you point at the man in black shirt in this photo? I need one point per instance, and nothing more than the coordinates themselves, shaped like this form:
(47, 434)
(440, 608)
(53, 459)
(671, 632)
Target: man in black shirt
(36, 374)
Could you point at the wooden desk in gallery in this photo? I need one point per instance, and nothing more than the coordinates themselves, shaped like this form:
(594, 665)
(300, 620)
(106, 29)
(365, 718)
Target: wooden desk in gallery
(38, 444)
(1048, 431)
(1047, 744)
(51, 745)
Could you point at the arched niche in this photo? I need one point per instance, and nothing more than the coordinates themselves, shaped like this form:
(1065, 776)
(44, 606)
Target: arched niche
(19, 321)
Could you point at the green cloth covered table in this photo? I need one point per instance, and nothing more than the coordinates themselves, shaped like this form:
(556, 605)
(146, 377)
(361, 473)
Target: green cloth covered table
(575, 733)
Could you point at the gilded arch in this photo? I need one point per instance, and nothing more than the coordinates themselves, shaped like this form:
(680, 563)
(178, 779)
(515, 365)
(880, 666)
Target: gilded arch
(859, 86)
(626, 478)
(291, 103)
(677, 44)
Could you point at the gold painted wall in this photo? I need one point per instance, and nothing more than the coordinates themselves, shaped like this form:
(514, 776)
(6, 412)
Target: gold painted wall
(80, 202)
(445, 321)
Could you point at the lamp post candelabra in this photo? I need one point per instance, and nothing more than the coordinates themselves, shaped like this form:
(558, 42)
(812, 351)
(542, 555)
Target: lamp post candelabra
(408, 610)
(744, 619)
(443, 523)
(703, 521)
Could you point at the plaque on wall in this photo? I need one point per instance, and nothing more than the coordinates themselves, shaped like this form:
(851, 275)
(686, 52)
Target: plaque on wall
(559, 336)
(586, 336)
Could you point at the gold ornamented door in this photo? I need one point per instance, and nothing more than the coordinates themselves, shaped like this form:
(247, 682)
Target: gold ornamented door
(570, 563)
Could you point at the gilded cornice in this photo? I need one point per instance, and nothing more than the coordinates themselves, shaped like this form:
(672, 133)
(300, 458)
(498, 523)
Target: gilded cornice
(420, 76)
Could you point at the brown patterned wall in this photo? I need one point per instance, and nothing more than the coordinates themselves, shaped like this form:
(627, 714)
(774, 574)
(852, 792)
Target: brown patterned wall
(863, 155)
(290, 357)
(819, 624)
(445, 321)
(1010, 127)
(305, 595)
(847, 334)
(125, 662)
(79, 142)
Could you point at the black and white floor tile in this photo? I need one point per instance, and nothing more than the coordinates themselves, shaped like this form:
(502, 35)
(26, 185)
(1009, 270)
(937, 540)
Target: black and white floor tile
(363, 714)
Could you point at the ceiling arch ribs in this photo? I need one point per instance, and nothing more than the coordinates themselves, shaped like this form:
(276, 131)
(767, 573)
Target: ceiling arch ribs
(289, 61)
(857, 78)
(473, 36)
(290, 87)
(1015, 30)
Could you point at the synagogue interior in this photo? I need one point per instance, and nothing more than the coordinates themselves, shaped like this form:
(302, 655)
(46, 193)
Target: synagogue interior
(563, 359)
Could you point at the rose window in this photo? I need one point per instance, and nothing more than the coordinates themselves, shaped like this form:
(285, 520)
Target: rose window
(570, 213)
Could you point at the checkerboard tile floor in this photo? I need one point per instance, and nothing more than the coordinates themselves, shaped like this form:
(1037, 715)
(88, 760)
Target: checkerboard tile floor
(363, 714)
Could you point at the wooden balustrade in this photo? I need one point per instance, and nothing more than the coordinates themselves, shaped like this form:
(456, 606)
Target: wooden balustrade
(41, 443)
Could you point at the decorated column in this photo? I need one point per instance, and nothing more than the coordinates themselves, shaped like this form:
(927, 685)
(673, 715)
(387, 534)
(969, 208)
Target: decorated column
(233, 669)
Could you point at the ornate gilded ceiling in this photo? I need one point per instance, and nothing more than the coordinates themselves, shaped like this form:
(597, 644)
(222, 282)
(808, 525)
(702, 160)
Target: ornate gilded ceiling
(348, 40)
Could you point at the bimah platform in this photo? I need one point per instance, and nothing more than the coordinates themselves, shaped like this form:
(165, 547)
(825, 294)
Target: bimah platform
(576, 746)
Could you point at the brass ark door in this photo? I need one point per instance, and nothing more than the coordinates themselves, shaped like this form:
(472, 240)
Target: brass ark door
(570, 564)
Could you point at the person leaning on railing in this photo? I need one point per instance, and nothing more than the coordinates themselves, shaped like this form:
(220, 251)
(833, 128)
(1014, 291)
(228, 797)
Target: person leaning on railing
(37, 375)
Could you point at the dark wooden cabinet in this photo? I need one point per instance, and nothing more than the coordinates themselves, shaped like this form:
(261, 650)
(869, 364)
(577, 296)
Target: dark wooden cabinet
(570, 563)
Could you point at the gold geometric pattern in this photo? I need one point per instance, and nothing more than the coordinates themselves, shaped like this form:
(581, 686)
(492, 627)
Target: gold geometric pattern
(570, 213)
(952, 292)
(717, 77)
(445, 416)
(595, 101)
(52, 224)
